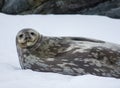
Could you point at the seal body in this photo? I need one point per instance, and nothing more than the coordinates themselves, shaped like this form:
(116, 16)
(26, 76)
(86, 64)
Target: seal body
(70, 56)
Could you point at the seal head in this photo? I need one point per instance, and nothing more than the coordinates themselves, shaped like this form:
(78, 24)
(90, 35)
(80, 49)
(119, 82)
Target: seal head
(27, 37)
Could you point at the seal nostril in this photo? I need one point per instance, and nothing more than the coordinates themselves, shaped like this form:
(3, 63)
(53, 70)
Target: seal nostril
(27, 38)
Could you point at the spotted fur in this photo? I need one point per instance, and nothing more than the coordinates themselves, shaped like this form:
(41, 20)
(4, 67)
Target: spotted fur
(70, 56)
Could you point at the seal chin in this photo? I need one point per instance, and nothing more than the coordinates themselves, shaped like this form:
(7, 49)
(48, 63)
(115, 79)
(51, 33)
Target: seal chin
(29, 44)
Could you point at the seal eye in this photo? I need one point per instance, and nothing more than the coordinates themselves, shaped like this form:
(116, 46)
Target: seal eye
(21, 36)
(32, 33)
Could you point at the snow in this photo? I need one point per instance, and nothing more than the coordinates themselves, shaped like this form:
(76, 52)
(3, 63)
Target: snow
(12, 76)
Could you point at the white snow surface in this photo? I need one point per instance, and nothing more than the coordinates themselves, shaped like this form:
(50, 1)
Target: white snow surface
(12, 76)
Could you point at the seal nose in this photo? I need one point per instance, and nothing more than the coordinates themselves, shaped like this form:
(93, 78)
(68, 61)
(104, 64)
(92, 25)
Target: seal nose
(27, 38)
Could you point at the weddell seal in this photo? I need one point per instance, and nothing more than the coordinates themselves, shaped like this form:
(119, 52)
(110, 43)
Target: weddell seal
(67, 55)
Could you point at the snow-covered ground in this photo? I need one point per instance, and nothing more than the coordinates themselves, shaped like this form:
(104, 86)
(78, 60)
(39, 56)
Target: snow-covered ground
(12, 76)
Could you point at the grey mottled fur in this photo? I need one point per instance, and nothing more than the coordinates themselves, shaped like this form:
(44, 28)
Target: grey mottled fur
(71, 56)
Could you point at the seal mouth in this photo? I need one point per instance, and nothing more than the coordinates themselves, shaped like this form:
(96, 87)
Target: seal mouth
(28, 43)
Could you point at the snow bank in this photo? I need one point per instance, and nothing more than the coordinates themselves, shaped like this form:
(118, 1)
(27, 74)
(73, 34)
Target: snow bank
(12, 76)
